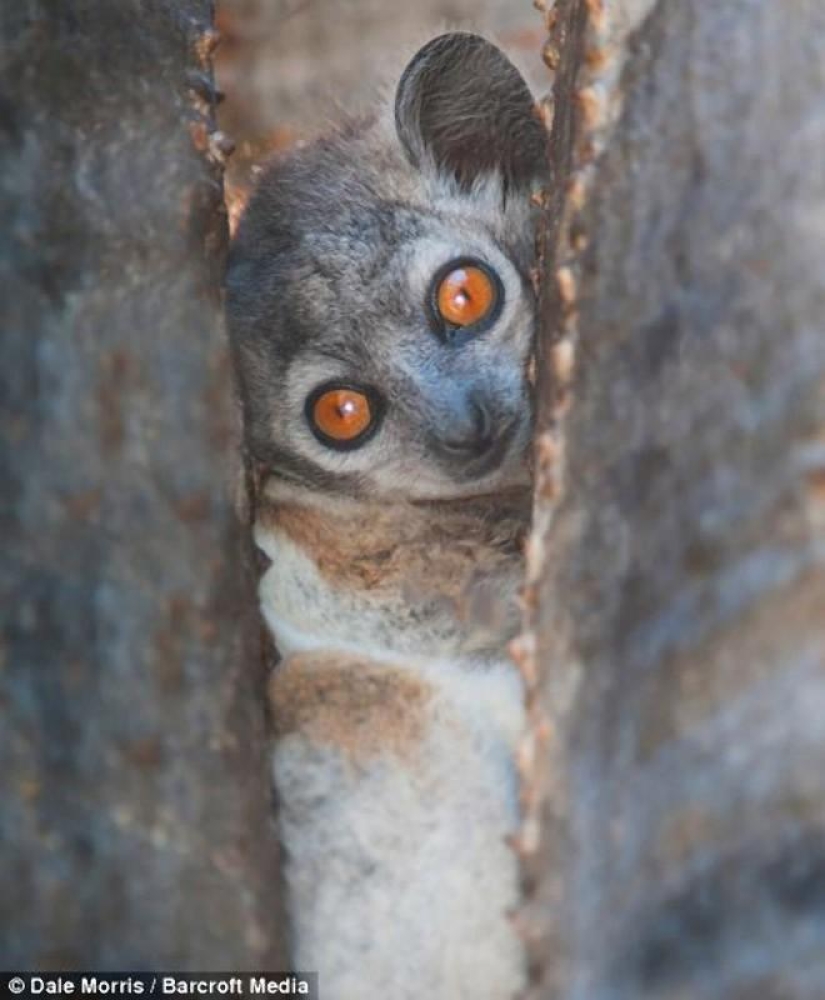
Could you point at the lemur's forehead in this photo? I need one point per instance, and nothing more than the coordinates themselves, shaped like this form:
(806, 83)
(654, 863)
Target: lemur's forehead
(392, 239)
(364, 294)
(388, 202)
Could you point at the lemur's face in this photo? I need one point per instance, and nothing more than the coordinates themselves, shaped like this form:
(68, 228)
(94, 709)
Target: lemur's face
(379, 299)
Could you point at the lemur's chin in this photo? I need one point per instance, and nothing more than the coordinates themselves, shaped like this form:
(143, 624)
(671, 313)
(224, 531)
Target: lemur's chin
(512, 473)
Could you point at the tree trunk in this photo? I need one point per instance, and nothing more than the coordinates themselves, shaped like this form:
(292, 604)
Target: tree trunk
(135, 827)
(674, 835)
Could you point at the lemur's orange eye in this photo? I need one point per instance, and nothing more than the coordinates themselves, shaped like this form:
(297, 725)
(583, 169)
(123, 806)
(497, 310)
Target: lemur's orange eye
(465, 294)
(342, 416)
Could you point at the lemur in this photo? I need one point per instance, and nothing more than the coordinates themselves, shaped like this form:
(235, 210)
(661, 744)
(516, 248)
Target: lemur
(381, 315)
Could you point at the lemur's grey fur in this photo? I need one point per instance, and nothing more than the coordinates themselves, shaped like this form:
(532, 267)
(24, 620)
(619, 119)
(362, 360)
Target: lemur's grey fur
(394, 564)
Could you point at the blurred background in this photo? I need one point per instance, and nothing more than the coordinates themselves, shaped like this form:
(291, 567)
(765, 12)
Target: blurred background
(287, 66)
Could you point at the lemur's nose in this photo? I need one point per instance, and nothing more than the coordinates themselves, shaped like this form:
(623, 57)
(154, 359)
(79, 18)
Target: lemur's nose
(472, 435)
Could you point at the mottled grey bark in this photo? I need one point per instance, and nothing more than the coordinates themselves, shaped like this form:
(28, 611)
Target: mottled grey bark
(135, 829)
(680, 604)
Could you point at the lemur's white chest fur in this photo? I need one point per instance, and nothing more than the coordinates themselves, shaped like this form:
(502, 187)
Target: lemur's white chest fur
(397, 716)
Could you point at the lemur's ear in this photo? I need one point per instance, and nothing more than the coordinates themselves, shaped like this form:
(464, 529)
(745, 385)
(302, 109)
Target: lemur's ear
(462, 104)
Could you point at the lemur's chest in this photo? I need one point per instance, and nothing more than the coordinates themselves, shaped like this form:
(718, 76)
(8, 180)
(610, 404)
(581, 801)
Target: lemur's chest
(397, 716)
(380, 589)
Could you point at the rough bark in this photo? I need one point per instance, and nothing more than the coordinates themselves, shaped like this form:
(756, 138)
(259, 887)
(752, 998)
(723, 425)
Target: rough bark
(677, 624)
(135, 829)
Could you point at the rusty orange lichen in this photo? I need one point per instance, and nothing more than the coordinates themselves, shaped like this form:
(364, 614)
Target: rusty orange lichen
(550, 55)
(205, 44)
(199, 134)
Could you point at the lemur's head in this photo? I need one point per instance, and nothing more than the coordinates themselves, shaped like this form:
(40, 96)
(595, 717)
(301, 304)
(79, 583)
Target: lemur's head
(379, 301)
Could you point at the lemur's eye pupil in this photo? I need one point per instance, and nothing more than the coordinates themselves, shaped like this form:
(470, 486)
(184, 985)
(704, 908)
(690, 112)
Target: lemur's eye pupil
(342, 414)
(465, 296)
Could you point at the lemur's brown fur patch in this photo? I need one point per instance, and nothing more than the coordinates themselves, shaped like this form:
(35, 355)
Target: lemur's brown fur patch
(436, 550)
(361, 708)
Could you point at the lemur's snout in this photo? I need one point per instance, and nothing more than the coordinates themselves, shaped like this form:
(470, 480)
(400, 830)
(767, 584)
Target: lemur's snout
(478, 438)
(471, 434)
